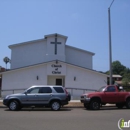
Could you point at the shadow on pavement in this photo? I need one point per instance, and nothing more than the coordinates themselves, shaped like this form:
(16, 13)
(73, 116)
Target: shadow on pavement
(107, 108)
(39, 109)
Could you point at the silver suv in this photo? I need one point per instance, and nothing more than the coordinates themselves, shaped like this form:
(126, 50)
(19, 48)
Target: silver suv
(38, 96)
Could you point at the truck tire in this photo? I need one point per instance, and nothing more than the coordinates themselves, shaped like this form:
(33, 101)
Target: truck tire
(95, 104)
(119, 105)
(128, 103)
(14, 105)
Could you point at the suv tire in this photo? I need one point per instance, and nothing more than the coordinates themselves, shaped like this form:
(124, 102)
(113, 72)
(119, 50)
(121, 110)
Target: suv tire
(95, 105)
(55, 105)
(14, 105)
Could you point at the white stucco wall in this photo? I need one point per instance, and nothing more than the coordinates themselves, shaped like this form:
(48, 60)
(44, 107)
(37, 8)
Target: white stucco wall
(85, 79)
(24, 78)
(28, 54)
(79, 57)
(38, 51)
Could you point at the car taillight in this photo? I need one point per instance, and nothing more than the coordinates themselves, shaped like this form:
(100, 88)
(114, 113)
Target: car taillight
(66, 91)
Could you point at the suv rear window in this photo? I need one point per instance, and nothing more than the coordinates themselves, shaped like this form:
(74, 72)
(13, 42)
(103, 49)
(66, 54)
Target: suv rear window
(45, 90)
(59, 89)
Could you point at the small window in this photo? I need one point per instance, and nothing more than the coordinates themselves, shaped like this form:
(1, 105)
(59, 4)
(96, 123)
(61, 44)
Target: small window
(59, 89)
(58, 81)
(33, 90)
(45, 90)
(111, 89)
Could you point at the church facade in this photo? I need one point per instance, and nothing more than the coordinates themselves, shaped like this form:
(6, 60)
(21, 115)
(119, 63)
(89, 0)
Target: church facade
(49, 61)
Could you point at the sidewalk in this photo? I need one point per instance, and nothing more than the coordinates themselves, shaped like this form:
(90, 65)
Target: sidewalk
(1, 103)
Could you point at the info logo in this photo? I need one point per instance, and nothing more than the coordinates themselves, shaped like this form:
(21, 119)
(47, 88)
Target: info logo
(123, 124)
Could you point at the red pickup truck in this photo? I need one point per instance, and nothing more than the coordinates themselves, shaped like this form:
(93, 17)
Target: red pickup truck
(107, 94)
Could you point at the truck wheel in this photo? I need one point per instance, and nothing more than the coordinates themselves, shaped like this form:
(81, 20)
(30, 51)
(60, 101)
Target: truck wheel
(14, 105)
(95, 105)
(55, 105)
(120, 106)
(128, 103)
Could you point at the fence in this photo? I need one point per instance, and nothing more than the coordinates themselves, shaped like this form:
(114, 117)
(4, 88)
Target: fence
(10, 91)
(75, 92)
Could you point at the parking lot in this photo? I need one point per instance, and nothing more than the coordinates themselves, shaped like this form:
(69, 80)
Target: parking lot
(65, 119)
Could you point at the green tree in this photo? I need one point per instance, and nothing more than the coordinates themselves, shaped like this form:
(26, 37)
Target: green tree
(126, 79)
(118, 68)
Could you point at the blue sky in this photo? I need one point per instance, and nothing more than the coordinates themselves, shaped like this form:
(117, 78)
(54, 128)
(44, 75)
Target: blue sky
(85, 22)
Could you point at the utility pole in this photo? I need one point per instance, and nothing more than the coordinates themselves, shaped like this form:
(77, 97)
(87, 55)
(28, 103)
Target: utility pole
(110, 47)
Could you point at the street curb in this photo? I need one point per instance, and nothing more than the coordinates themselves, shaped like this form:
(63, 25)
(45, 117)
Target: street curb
(1, 105)
(75, 105)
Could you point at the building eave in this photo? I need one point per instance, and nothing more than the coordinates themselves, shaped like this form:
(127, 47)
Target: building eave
(54, 34)
(24, 43)
(12, 70)
(38, 40)
(50, 35)
(80, 49)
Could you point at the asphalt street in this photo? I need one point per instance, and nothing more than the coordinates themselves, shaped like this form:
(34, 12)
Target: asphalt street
(65, 119)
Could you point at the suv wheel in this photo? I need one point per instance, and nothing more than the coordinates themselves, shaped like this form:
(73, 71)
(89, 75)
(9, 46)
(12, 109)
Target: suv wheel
(128, 103)
(55, 105)
(95, 105)
(14, 105)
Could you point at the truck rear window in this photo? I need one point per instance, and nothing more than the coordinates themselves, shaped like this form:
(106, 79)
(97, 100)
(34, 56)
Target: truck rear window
(59, 89)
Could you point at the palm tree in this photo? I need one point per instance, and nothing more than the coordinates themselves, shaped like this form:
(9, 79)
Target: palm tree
(6, 60)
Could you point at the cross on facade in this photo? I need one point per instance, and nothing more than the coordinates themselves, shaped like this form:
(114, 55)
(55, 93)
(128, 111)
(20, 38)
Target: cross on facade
(55, 43)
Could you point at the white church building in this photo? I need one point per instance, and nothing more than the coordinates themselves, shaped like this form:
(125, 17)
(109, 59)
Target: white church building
(49, 61)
